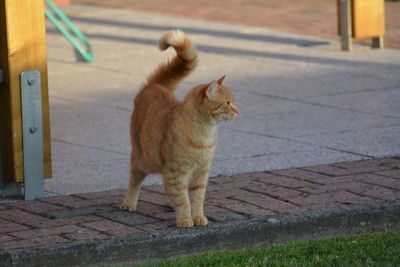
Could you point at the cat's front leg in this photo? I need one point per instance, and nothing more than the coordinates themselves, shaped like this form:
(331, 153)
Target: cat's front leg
(176, 188)
(197, 191)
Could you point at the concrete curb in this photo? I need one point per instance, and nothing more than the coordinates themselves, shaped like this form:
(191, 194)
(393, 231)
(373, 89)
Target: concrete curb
(218, 236)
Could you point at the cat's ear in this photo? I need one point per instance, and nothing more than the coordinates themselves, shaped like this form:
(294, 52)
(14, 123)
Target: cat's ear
(212, 89)
(220, 80)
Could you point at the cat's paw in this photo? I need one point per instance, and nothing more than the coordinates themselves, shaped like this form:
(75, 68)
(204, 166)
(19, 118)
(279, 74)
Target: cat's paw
(184, 222)
(127, 206)
(200, 220)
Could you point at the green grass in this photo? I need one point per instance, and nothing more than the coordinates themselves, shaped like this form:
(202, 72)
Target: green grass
(379, 249)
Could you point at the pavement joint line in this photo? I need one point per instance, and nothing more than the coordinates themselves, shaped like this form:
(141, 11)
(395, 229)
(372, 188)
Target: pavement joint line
(90, 147)
(360, 195)
(323, 105)
(94, 229)
(386, 176)
(362, 91)
(21, 223)
(90, 67)
(271, 196)
(348, 152)
(235, 211)
(43, 200)
(120, 71)
(342, 175)
(381, 185)
(301, 142)
(257, 156)
(93, 102)
(287, 187)
(294, 178)
(148, 202)
(244, 201)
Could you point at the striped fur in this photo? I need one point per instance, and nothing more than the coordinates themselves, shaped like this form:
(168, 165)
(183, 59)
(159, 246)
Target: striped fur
(177, 139)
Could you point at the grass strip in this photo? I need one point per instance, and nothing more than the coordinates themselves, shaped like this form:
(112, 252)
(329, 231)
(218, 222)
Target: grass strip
(377, 249)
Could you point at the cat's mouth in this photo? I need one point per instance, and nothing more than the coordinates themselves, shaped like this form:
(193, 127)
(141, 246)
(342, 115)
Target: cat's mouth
(228, 118)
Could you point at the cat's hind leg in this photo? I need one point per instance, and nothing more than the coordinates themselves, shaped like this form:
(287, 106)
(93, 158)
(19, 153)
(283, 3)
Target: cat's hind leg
(132, 195)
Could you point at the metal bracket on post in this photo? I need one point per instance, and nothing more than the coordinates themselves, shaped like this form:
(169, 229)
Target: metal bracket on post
(32, 134)
(345, 24)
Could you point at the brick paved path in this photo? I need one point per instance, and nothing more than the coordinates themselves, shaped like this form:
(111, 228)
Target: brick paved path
(80, 217)
(308, 17)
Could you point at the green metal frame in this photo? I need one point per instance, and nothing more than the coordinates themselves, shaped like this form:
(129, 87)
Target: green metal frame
(56, 16)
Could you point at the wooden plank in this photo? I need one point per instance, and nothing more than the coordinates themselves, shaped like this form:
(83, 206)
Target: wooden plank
(368, 18)
(23, 47)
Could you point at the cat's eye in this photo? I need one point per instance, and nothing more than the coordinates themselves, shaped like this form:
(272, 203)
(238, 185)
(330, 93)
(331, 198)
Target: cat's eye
(228, 102)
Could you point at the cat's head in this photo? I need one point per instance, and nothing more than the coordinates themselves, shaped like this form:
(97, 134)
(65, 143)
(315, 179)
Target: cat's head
(219, 101)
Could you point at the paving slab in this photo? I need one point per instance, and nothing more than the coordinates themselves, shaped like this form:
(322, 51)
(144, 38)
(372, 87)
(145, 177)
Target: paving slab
(72, 161)
(376, 142)
(313, 120)
(91, 125)
(370, 101)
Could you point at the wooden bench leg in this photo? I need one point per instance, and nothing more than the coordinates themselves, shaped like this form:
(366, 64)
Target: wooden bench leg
(377, 42)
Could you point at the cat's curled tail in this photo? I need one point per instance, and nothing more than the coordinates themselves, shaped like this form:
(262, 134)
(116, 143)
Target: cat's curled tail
(172, 72)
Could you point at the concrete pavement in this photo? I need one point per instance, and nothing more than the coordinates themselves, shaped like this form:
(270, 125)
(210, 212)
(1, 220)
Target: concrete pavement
(303, 101)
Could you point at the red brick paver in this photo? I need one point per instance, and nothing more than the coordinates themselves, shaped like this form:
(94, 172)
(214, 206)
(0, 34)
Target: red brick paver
(112, 228)
(81, 217)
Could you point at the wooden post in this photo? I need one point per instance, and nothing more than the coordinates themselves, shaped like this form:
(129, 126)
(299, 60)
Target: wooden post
(345, 24)
(22, 48)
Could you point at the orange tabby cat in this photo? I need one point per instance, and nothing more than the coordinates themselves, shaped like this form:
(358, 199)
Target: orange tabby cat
(177, 139)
